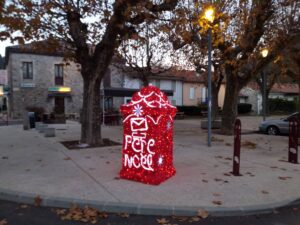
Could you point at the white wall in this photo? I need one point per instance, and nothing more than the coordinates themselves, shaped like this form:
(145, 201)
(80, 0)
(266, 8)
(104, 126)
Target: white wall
(163, 85)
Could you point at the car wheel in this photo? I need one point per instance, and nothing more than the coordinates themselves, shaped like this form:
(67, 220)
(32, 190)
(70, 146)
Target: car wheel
(272, 130)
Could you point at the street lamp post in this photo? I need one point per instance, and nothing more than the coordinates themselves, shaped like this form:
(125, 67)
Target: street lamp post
(209, 16)
(264, 54)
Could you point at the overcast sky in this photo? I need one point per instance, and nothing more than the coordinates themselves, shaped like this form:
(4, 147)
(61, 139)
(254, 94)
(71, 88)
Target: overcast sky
(3, 45)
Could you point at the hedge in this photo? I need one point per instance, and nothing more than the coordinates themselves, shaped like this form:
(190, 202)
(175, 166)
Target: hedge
(278, 105)
(244, 108)
(192, 110)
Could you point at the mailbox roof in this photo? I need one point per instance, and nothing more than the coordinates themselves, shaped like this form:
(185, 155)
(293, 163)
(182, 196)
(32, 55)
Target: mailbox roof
(149, 97)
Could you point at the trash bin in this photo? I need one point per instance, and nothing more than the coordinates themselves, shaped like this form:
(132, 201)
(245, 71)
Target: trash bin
(31, 117)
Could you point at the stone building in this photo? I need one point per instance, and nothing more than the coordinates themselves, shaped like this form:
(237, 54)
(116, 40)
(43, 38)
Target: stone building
(42, 80)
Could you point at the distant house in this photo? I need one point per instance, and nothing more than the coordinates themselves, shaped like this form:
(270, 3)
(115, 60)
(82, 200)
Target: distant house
(166, 81)
(3, 92)
(195, 89)
(251, 94)
(39, 79)
(45, 80)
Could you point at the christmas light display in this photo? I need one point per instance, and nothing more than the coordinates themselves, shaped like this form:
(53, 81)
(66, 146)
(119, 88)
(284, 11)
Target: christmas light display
(148, 120)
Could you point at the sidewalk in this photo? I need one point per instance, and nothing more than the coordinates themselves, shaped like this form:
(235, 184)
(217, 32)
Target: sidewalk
(32, 165)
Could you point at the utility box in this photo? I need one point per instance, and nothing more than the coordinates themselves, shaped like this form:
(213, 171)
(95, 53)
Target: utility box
(147, 154)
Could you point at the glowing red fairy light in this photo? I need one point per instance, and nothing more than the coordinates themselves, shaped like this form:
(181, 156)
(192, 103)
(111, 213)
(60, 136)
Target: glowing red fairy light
(148, 120)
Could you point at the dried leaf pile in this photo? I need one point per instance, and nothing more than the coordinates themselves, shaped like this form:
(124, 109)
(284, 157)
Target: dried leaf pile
(85, 215)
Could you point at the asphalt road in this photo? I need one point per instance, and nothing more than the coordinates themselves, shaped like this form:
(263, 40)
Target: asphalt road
(21, 214)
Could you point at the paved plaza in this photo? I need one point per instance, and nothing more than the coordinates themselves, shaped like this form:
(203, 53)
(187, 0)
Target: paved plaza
(32, 165)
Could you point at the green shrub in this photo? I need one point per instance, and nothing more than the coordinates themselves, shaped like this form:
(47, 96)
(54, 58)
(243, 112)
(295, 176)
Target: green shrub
(244, 108)
(279, 105)
(190, 110)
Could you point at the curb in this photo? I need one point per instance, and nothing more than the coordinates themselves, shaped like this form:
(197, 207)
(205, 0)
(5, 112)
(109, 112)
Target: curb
(144, 209)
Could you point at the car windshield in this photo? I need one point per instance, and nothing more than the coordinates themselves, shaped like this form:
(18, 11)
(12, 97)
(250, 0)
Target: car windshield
(294, 115)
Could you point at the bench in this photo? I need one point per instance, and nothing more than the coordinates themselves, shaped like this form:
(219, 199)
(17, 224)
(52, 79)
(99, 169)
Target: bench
(179, 115)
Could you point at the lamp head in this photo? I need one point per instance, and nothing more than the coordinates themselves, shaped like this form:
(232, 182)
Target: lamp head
(209, 14)
(264, 52)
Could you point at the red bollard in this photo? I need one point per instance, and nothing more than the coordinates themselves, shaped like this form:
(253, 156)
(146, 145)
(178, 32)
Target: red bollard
(293, 140)
(237, 148)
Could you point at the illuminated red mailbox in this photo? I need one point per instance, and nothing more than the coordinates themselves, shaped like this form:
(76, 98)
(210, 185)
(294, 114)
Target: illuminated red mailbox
(147, 154)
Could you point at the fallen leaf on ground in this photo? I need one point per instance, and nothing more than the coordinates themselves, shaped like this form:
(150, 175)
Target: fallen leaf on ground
(67, 158)
(180, 218)
(124, 215)
(248, 144)
(282, 160)
(162, 221)
(284, 178)
(3, 222)
(216, 194)
(107, 162)
(219, 157)
(228, 158)
(205, 181)
(217, 179)
(216, 139)
(217, 202)
(227, 174)
(4, 157)
(194, 219)
(117, 178)
(85, 215)
(27, 170)
(60, 211)
(264, 192)
(228, 144)
(202, 213)
(37, 201)
(23, 206)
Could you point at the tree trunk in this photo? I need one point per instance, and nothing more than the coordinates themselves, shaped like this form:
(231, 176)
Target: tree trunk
(230, 104)
(215, 103)
(145, 80)
(298, 95)
(90, 115)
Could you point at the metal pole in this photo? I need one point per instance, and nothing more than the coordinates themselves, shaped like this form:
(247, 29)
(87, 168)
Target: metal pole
(264, 95)
(209, 90)
(103, 110)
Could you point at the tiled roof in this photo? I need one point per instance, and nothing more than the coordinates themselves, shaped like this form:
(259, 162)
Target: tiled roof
(172, 74)
(285, 88)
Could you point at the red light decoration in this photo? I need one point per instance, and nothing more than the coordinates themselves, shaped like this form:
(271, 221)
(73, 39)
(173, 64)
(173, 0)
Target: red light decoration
(147, 154)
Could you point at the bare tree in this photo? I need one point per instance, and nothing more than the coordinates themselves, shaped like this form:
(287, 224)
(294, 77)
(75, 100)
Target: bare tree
(82, 24)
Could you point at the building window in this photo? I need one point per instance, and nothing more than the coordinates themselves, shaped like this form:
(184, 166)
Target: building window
(157, 83)
(174, 85)
(203, 95)
(59, 74)
(27, 70)
(192, 93)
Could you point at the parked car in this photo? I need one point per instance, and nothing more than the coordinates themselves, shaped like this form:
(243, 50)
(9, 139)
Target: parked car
(280, 126)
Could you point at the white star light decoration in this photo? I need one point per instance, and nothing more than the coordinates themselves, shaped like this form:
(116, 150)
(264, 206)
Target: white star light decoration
(138, 110)
(160, 160)
(168, 125)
